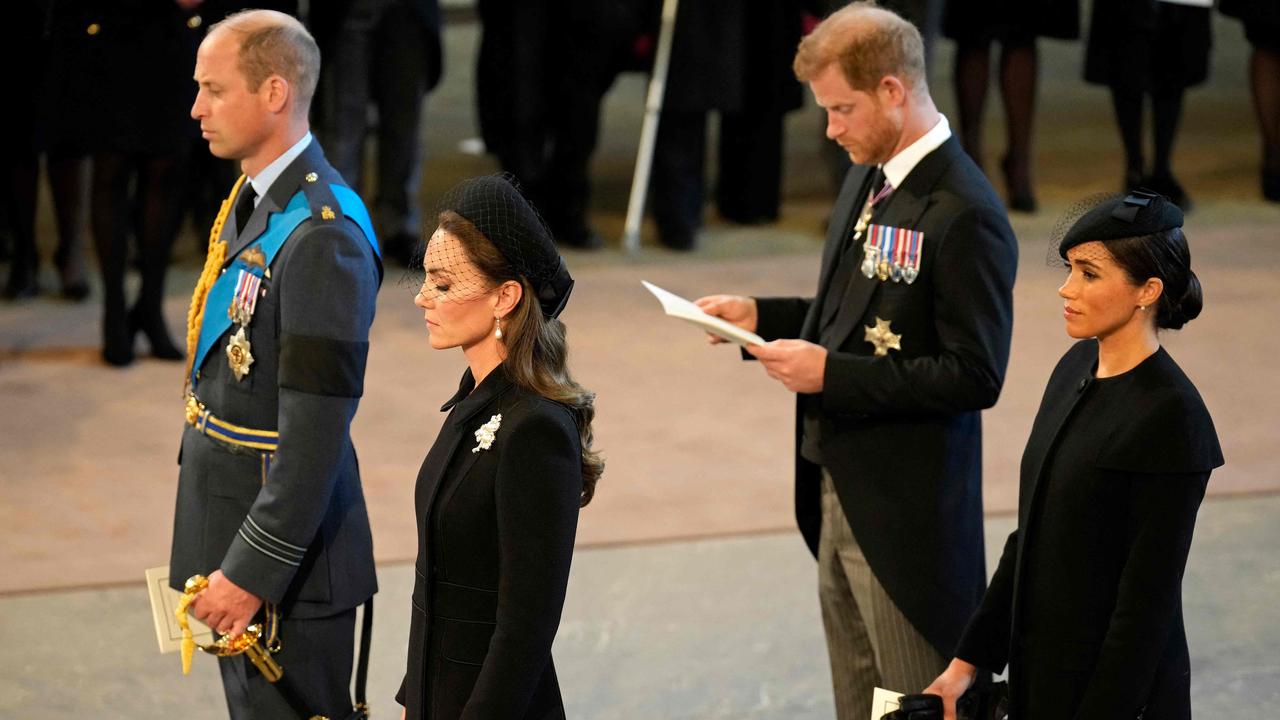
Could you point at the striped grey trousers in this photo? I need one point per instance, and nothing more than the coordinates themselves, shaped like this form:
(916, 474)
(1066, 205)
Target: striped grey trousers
(869, 641)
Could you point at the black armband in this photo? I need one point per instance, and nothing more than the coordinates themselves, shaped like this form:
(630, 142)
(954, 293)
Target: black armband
(323, 366)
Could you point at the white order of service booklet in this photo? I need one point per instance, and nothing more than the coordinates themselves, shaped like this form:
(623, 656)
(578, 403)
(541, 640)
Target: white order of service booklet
(883, 702)
(164, 600)
(678, 307)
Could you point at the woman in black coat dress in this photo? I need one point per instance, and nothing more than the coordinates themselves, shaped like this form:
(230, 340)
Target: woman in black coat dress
(498, 494)
(1085, 606)
(1141, 48)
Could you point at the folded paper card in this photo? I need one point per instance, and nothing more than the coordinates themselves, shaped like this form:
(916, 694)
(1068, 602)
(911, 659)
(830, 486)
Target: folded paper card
(883, 702)
(164, 600)
(678, 307)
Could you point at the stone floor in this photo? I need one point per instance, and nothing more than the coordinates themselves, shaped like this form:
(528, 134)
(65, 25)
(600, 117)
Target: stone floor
(710, 629)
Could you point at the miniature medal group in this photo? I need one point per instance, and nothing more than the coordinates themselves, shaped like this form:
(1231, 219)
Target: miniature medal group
(252, 266)
(888, 254)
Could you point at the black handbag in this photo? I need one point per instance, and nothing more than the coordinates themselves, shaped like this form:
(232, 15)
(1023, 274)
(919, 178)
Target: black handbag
(917, 707)
(984, 701)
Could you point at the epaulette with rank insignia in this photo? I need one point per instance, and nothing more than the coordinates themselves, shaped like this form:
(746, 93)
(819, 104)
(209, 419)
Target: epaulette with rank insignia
(325, 207)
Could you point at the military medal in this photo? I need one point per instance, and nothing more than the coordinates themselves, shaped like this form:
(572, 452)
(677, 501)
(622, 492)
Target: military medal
(245, 298)
(238, 355)
(882, 337)
(864, 217)
(912, 269)
(892, 254)
(898, 254)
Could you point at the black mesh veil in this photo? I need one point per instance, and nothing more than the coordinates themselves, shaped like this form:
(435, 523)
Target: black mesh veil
(495, 206)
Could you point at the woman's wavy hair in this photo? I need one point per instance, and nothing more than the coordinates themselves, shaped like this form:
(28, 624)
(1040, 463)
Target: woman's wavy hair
(537, 350)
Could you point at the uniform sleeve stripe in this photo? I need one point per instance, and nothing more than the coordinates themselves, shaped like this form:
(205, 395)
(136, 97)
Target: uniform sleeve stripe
(268, 536)
(251, 532)
(264, 551)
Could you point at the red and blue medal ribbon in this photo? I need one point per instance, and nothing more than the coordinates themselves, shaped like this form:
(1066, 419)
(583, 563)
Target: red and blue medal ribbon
(893, 253)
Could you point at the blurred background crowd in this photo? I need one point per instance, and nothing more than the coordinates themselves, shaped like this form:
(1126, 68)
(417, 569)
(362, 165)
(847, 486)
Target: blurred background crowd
(103, 93)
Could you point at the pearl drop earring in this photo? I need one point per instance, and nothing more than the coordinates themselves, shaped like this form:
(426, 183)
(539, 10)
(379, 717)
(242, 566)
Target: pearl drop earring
(497, 327)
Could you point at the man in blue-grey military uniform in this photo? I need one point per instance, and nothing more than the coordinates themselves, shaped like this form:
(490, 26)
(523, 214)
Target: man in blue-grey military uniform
(270, 505)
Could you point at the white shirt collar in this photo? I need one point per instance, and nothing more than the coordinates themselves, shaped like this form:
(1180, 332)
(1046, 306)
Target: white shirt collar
(900, 166)
(262, 181)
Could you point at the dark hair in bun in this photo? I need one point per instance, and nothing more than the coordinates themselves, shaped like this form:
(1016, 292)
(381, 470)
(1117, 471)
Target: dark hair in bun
(1162, 255)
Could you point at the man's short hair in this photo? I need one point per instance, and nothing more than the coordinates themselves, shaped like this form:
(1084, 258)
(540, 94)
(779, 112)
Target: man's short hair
(866, 42)
(273, 43)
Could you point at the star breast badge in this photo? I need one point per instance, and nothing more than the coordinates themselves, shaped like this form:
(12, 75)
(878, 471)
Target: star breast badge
(238, 355)
(883, 338)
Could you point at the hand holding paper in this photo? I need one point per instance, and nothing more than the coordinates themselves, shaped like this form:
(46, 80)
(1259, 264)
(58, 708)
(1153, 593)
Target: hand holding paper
(735, 323)
(734, 309)
(800, 366)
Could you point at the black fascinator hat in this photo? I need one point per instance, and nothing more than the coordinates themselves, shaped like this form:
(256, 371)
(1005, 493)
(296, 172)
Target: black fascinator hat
(494, 205)
(1139, 213)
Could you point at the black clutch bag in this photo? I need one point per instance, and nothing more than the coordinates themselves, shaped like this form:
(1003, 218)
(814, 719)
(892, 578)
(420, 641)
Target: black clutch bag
(916, 707)
(984, 701)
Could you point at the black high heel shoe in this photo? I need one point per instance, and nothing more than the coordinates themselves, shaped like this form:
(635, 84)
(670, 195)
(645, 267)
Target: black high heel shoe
(1271, 184)
(117, 339)
(1167, 185)
(162, 347)
(1021, 198)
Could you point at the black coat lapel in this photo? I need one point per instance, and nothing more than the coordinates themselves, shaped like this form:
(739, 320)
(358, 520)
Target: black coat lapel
(1066, 390)
(839, 230)
(469, 406)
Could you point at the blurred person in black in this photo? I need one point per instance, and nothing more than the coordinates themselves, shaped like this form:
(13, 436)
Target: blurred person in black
(540, 80)
(388, 53)
(1261, 20)
(1015, 25)
(22, 142)
(135, 131)
(733, 58)
(1141, 48)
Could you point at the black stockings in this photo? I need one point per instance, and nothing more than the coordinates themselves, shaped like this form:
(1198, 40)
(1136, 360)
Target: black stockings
(157, 185)
(1019, 69)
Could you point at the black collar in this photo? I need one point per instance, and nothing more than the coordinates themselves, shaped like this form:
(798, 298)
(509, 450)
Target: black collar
(470, 399)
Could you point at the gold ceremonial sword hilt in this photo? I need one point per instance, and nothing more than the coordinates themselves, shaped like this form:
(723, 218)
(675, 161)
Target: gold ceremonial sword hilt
(246, 643)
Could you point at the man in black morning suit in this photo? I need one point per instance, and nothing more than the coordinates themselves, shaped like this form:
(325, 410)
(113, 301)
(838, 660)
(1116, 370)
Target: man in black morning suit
(905, 342)
(270, 505)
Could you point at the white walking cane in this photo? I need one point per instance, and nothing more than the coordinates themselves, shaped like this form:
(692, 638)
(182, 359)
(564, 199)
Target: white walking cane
(649, 131)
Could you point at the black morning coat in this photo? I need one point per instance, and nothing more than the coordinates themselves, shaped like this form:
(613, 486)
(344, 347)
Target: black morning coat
(496, 528)
(901, 434)
(1086, 603)
(290, 527)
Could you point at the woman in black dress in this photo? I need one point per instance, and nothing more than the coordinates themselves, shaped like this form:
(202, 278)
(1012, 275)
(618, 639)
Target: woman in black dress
(499, 493)
(1085, 606)
(1141, 48)
(120, 90)
(976, 25)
